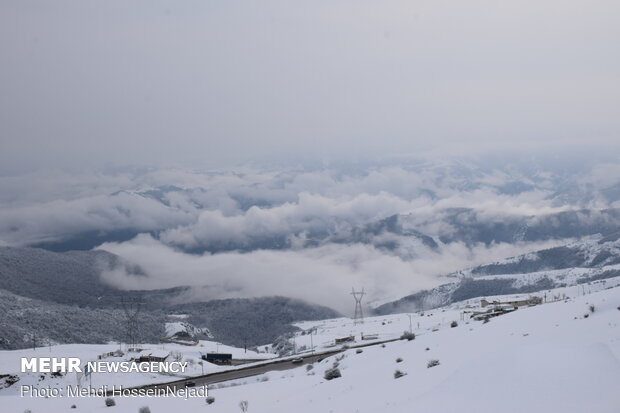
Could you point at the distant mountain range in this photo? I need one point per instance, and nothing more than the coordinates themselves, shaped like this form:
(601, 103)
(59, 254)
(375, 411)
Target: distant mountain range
(471, 226)
(584, 261)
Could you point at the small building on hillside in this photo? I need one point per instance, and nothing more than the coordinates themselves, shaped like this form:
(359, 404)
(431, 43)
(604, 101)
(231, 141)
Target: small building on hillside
(492, 312)
(342, 340)
(152, 355)
(519, 303)
(116, 353)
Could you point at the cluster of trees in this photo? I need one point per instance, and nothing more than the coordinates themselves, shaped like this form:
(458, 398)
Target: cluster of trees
(27, 322)
(251, 321)
(60, 297)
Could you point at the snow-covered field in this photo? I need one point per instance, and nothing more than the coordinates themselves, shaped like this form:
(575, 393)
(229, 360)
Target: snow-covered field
(556, 357)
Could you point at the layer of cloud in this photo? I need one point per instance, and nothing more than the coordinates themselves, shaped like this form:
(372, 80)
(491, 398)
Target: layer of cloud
(59, 219)
(323, 275)
(310, 213)
(202, 210)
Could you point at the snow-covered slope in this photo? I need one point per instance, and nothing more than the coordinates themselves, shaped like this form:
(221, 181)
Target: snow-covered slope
(185, 331)
(545, 358)
(560, 356)
(579, 262)
(592, 252)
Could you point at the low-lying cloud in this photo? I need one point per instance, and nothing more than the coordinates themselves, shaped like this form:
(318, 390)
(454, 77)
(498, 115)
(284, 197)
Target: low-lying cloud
(323, 275)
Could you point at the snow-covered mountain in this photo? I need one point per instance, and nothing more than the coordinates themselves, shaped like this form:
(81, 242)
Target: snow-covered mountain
(580, 262)
(562, 355)
(593, 252)
(471, 226)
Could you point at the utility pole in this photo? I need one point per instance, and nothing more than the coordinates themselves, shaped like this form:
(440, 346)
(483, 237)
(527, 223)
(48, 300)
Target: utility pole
(410, 328)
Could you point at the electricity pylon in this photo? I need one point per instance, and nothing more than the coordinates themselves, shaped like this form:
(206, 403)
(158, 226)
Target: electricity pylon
(358, 318)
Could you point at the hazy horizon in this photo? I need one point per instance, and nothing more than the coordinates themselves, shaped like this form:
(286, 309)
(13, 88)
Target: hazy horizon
(219, 83)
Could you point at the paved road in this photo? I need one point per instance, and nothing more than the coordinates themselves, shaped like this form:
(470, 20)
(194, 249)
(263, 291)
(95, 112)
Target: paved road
(240, 373)
(275, 365)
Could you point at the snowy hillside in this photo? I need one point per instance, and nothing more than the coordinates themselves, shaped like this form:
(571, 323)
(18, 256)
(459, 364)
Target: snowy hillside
(579, 262)
(545, 358)
(592, 252)
(558, 356)
(185, 331)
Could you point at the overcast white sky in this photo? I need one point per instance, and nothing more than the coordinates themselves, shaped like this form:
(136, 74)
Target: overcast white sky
(93, 82)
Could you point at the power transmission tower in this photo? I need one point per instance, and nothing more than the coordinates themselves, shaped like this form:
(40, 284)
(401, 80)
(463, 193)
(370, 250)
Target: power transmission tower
(131, 307)
(358, 318)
